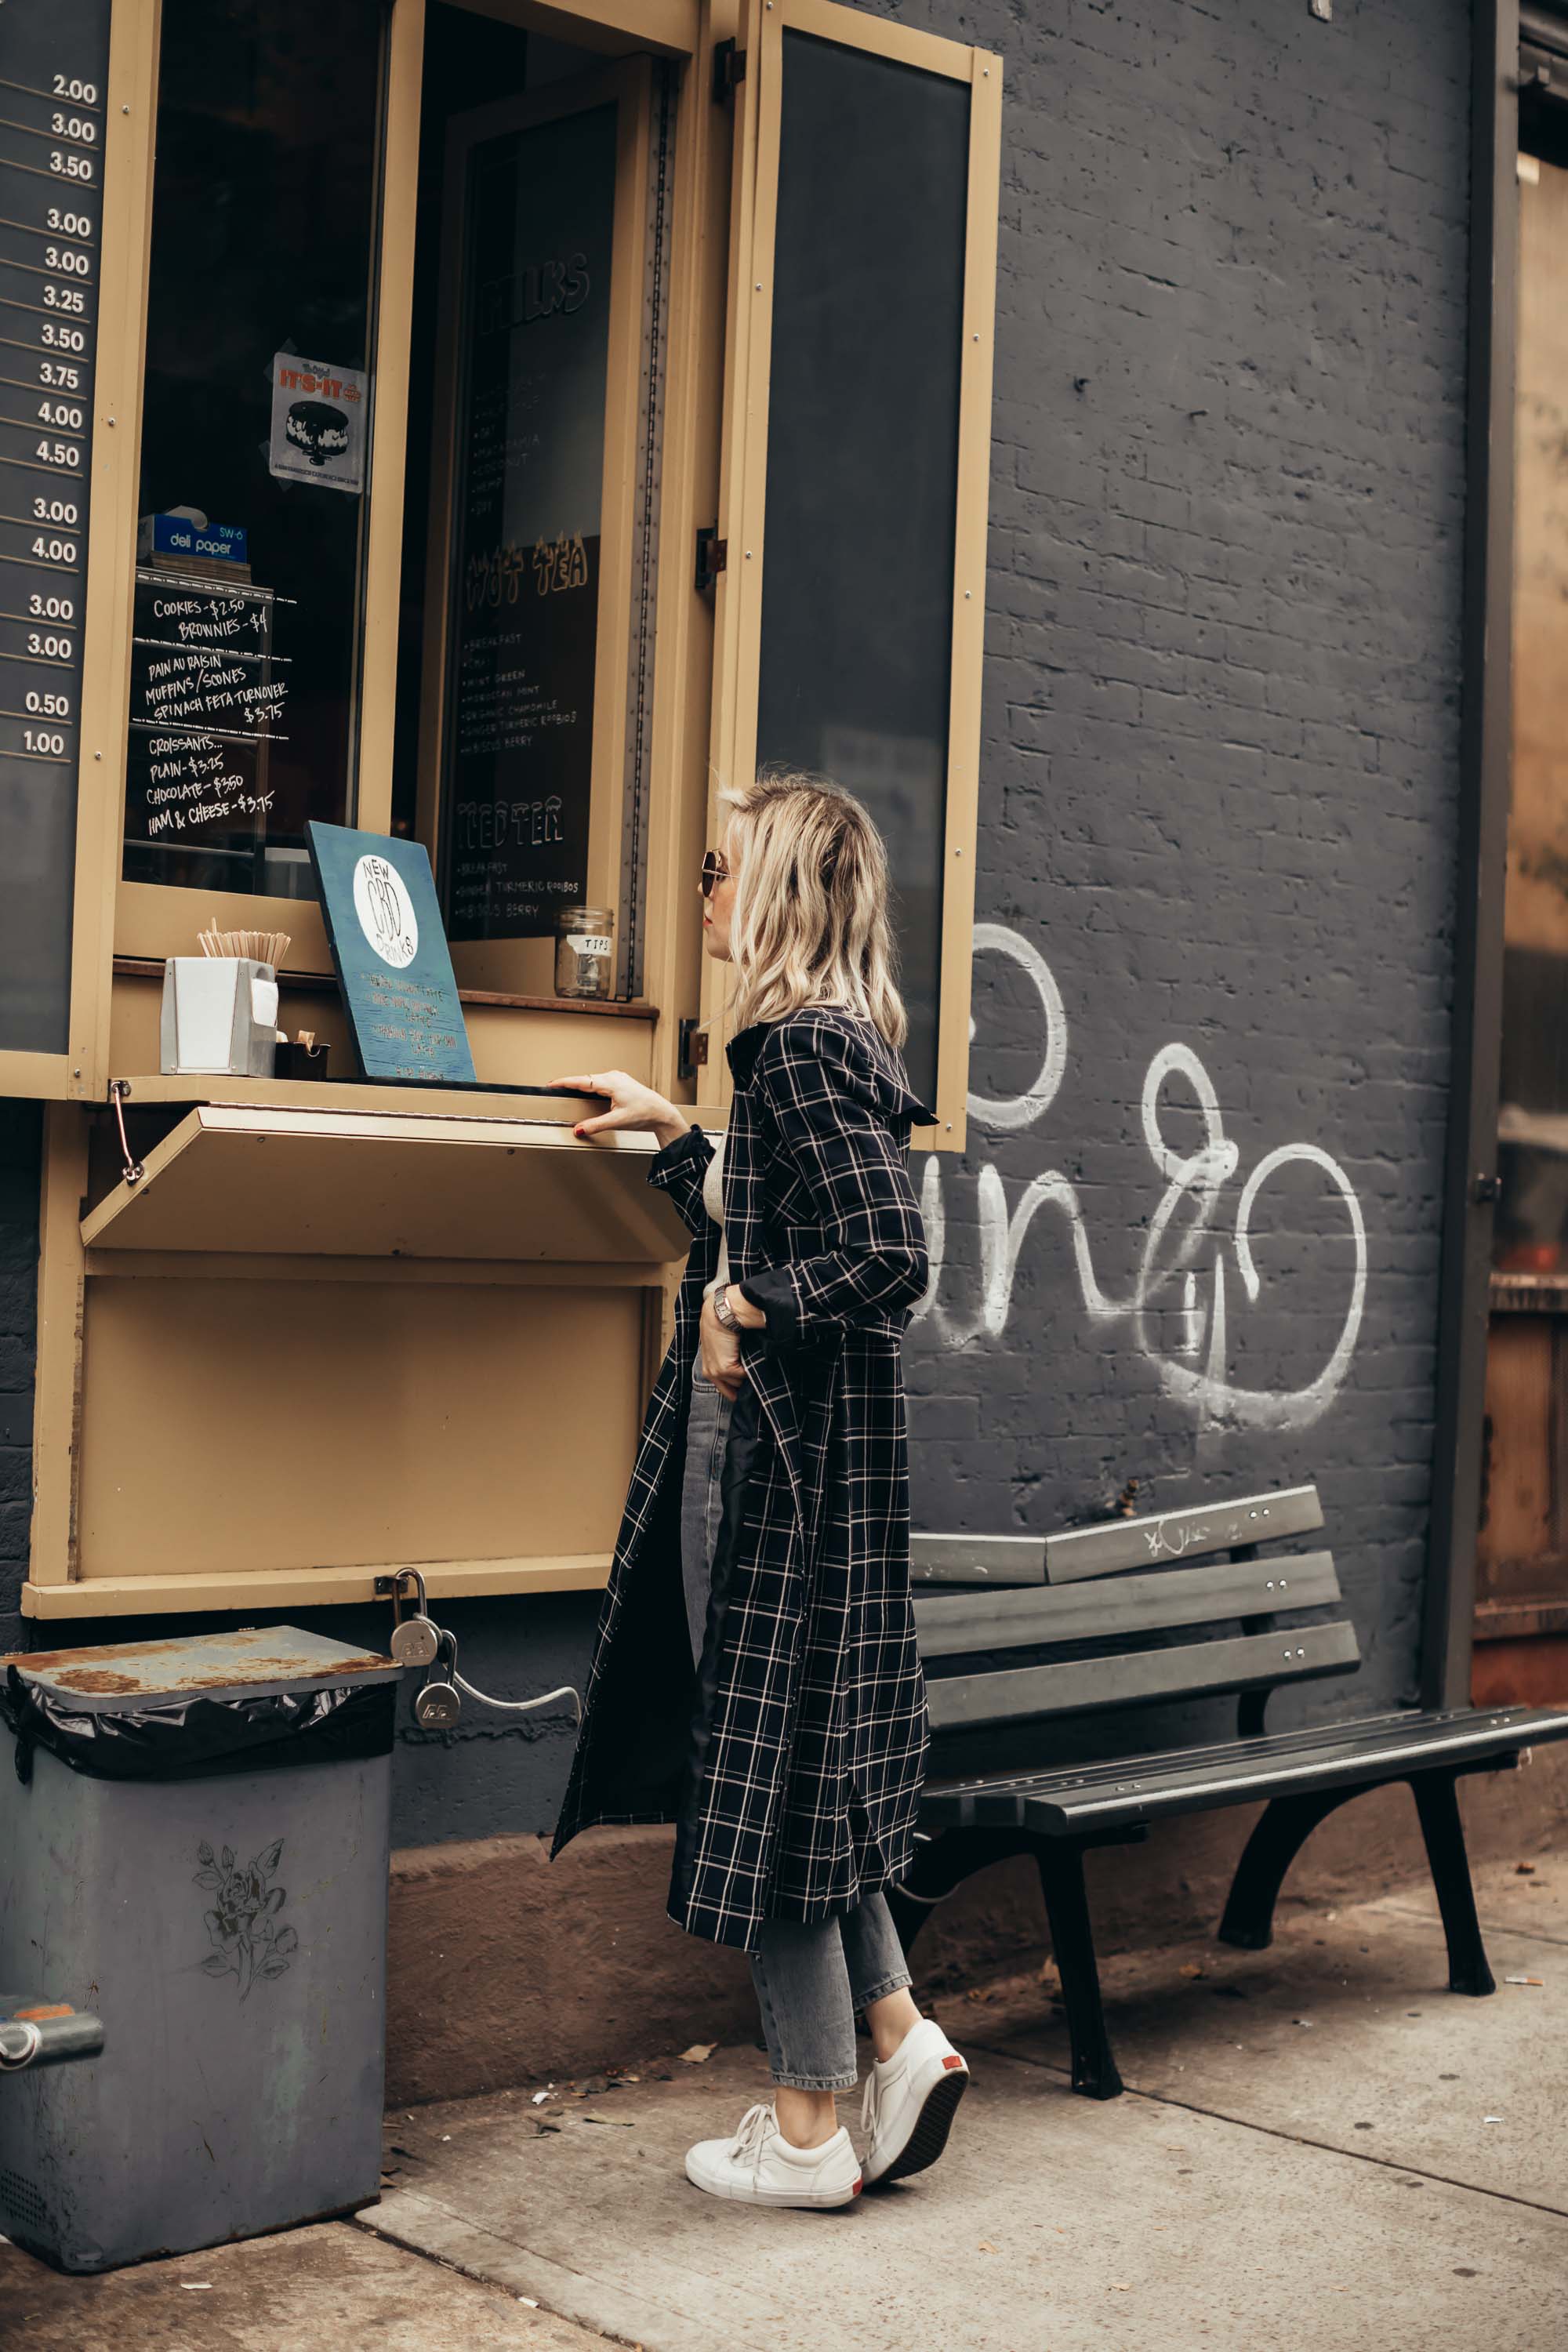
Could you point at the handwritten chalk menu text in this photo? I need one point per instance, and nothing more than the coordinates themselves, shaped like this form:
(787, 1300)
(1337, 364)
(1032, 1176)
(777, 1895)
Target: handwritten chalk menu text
(54, 56)
(206, 693)
(532, 329)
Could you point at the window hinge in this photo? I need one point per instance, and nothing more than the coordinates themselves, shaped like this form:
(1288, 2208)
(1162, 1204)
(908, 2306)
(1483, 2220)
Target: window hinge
(693, 1049)
(729, 67)
(712, 557)
(1484, 1188)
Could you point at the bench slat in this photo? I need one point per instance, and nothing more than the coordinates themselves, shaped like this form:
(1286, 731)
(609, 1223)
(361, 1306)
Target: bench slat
(977, 1559)
(1361, 1734)
(1168, 1537)
(1192, 1669)
(951, 1623)
(1136, 1788)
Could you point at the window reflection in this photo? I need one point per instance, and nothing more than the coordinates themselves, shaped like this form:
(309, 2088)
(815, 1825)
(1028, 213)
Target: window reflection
(1531, 1230)
(255, 439)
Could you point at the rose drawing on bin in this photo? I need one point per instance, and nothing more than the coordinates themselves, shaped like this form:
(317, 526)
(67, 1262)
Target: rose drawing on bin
(242, 1925)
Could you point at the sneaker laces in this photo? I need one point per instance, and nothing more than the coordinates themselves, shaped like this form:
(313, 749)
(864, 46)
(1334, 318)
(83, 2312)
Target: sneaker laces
(756, 2125)
(868, 2105)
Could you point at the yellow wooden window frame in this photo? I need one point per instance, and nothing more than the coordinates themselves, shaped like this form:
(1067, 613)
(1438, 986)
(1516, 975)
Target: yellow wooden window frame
(742, 491)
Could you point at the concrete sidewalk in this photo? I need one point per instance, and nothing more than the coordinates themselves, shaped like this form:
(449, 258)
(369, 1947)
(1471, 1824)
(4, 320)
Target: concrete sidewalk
(1306, 2154)
(1320, 2146)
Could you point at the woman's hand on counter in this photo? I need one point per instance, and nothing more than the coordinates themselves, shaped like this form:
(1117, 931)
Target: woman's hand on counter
(631, 1104)
(721, 1354)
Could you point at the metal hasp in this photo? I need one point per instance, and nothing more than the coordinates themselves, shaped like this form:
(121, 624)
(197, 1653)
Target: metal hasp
(131, 1170)
(202, 1833)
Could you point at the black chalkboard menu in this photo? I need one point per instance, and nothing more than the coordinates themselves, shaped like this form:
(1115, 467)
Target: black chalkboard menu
(206, 696)
(53, 59)
(532, 351)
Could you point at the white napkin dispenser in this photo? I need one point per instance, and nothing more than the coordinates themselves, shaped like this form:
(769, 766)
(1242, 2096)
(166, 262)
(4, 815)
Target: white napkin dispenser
(219, 1018)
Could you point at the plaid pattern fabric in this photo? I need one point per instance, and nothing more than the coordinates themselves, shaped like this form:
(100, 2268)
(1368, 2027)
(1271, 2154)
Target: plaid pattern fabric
(813, 1716)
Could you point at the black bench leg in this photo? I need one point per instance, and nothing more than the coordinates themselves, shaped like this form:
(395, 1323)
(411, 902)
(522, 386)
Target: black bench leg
(1094, 2071)
(942, 1863)
(1437, 1802)
(1278, 1837)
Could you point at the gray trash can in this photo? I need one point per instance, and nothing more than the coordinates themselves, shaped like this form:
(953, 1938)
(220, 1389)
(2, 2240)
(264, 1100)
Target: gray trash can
(193, 1843)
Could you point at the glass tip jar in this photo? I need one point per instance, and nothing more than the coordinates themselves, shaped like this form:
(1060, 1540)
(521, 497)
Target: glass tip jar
(586, 952)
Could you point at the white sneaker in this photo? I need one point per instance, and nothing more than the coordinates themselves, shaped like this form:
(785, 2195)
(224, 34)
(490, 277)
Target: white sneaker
(909, 2104)
(760, 2167)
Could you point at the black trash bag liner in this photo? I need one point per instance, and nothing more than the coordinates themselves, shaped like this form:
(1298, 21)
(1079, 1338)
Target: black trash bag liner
(198, 1739)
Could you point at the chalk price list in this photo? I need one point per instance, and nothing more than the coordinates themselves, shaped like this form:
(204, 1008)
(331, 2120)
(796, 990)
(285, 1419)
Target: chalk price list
(53, 60)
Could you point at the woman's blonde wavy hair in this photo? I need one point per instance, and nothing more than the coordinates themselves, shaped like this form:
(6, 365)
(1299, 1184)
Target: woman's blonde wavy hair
(810, 923)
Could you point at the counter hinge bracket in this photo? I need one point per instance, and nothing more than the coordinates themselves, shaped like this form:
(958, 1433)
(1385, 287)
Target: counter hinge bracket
(728, 69)
(119, 1094)
(712, 557)
(693, 1049)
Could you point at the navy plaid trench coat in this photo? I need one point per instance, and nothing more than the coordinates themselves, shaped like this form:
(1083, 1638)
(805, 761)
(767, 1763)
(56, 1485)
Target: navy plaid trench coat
(790, 1759)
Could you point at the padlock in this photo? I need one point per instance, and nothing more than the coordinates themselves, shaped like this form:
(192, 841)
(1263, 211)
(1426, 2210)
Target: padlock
(415, 1641)
(439, 1703)
(437, 1706)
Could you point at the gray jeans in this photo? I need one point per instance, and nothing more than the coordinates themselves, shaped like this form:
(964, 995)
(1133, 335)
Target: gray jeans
(809, 1980)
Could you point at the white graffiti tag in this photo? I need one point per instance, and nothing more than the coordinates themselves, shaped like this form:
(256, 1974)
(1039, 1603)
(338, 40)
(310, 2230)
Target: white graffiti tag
(1178, 1232)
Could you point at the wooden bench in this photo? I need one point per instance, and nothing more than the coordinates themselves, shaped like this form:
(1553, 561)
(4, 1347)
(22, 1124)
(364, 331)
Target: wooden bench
(1180, 1606)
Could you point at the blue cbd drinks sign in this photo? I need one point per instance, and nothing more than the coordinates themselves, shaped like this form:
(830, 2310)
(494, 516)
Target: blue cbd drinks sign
(378, 899)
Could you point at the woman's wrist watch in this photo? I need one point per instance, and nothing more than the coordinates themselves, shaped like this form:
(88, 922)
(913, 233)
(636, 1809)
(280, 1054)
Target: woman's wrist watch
(722, 1309)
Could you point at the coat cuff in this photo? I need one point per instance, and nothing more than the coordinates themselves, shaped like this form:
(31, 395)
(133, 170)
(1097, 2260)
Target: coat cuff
(665, 1166)
(775, 1292)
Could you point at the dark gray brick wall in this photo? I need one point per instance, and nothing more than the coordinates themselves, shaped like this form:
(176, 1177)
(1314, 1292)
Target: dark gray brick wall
(1218, 793)
(20, 1132)
(1219, 773)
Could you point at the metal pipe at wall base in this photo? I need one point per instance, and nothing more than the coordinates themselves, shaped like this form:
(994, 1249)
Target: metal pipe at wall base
(48, 2041)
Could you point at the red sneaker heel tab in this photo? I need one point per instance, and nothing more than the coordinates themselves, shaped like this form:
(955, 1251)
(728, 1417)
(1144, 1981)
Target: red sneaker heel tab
(949, 2063)
(860, 2184)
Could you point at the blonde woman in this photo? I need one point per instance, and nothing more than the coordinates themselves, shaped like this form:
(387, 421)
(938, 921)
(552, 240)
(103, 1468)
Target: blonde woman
(756, 1679)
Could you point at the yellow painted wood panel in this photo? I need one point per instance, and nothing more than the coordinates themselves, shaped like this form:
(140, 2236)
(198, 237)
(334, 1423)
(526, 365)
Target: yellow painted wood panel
(347, 1184)
(311, 1587)
(231, 1431)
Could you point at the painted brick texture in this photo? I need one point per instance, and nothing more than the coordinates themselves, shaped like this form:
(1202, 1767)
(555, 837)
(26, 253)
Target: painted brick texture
(1219, 775)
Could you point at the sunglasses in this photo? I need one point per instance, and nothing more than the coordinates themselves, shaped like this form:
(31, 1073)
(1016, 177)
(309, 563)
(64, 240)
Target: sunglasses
(714, 871)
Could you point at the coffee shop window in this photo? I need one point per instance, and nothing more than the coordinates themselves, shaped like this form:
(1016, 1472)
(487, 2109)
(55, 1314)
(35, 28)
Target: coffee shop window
(256, 441)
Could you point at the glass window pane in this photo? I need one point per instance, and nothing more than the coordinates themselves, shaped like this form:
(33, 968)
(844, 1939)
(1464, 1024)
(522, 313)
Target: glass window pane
(856, 624)
(1531, 1228)
(256, 419)
(533, 353)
